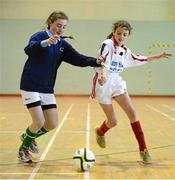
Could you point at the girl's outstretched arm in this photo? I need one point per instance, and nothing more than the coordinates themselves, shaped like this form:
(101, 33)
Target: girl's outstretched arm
(160, 56)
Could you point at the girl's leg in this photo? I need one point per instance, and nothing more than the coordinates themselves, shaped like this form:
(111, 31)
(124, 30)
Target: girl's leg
(51, 121)
(106, 125)
(109, 112)
(125, 102)
(31, 132)
(38, 118)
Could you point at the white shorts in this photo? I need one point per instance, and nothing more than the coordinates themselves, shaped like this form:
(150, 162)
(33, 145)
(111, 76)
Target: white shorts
(29, 97)
(114, 86)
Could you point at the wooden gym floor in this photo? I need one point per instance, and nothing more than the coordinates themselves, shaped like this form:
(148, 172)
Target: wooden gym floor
(78, 116)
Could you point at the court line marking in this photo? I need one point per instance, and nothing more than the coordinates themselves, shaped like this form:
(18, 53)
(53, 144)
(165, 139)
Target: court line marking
(165, 105)
(88, 127)
(40, 173)
(86, 174)
(36, 169)
(164, 114)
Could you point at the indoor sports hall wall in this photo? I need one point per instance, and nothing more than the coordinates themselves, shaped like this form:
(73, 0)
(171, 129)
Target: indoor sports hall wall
(91, 21)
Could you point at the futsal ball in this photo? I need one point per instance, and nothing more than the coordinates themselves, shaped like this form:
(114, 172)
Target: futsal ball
(84, 159)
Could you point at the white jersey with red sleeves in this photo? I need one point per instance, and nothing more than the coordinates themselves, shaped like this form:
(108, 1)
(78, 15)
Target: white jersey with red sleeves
(119, 57)
(116, 59)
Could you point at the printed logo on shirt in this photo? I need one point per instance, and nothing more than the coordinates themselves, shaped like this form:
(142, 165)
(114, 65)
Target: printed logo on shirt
(61, 49)
(116, 66)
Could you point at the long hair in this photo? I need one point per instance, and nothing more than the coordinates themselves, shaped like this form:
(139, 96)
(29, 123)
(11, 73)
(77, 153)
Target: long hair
(67, 37)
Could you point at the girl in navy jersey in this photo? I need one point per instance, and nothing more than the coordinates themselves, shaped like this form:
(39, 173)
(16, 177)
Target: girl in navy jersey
(46, 50)
(108, 85)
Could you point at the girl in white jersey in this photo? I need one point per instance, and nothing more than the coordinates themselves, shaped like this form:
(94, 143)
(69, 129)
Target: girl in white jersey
(109, 85)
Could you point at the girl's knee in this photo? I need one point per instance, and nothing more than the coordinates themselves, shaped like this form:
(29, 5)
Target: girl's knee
(37, 125)
(53, 126)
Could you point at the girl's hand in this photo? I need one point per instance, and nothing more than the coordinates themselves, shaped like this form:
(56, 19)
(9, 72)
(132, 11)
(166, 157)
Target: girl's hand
(52, 40)
(164, 55)
(100, 60)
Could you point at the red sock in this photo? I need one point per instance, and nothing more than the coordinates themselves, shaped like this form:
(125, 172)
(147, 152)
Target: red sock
(136, 127)
(103, 129)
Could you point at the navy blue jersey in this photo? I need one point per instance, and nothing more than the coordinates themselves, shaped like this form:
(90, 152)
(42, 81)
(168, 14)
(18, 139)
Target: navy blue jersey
(40, 69)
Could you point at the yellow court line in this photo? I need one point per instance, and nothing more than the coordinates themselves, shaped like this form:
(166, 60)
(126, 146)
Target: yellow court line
(150, 51)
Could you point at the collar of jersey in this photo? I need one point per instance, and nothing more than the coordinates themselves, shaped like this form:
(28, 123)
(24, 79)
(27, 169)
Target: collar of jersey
(50, 34)
(116, 44)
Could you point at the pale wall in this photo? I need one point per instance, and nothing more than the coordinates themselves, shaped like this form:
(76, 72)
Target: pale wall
(137, 10)
(90, 22)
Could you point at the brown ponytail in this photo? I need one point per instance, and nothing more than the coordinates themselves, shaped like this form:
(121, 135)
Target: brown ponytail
(67, 37)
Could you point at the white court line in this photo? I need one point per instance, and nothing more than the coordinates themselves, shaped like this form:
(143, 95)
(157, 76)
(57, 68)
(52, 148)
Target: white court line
(86, 174)
(36, 169)
(164, 114)
(88, 128)
(40, 173)
(168, 107)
